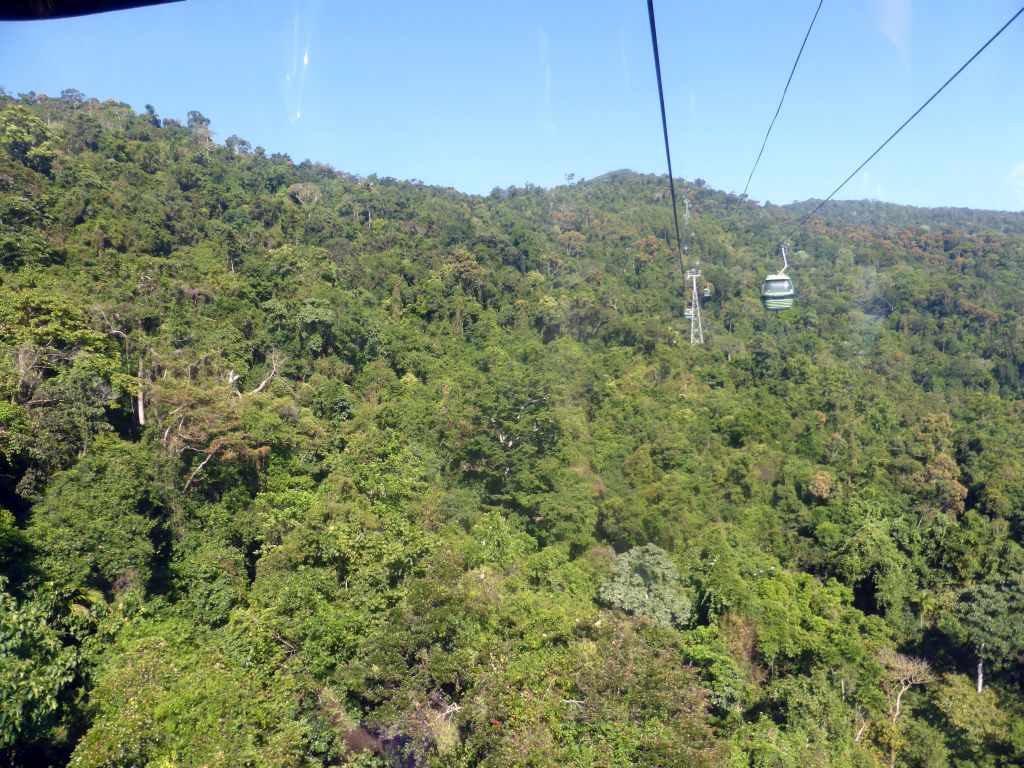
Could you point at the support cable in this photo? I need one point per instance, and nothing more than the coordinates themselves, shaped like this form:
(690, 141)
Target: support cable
(784, 91)
(664, 128)
(906, 122)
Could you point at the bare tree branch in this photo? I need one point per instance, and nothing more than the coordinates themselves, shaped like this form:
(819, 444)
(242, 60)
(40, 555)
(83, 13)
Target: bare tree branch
(276, 359)
(198, 469)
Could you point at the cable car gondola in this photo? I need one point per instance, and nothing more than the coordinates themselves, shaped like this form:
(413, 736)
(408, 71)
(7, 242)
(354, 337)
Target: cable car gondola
(777, 290)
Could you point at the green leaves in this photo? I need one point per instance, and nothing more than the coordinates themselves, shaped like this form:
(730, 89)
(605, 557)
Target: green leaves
(990, 612)
(392, 434)
(165, 693)
(645, 583)
(21, 133)
(94, 526)
(35, 669)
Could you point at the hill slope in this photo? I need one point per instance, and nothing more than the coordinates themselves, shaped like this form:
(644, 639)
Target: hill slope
(303, 468)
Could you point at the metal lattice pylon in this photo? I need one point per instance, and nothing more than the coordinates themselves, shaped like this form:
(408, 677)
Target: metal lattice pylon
(696, 327)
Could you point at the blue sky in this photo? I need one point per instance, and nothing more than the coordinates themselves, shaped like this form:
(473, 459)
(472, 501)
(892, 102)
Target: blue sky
(478, 94)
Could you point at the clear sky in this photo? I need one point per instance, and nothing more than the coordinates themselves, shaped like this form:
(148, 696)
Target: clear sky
(476, 94)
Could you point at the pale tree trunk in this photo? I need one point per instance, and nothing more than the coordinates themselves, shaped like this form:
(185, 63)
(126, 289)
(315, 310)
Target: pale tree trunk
(141, 398)
(981, 674)
(899, 703)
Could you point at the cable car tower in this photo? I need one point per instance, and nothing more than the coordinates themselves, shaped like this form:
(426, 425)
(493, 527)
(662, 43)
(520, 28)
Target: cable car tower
(692, 278)
(693, 308)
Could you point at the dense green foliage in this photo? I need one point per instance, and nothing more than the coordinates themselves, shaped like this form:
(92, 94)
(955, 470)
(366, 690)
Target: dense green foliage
(298, 468)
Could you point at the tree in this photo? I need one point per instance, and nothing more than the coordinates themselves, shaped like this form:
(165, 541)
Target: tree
(72, 97)
(199, 125)
(35, 668)
(648, 249)
(902, 673)
(973, 717)
(990, 614)
(12, 542)
(237, 145)
(95, 526)
(644, 582)
(25, 138)
(393, 436)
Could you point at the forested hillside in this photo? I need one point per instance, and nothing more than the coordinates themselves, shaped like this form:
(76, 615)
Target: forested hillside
(300, 468)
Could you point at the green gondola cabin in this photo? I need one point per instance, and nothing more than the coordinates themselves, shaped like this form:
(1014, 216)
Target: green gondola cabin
(777, 290)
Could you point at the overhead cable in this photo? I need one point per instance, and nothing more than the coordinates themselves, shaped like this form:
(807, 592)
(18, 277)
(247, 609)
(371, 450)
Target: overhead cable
(664, 128)
(906, 122)
(784, 90)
